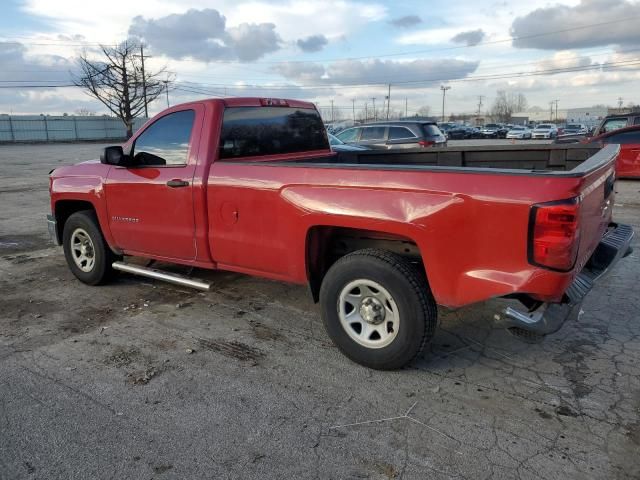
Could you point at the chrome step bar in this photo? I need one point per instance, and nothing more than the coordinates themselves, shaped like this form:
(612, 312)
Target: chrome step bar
(164, 276)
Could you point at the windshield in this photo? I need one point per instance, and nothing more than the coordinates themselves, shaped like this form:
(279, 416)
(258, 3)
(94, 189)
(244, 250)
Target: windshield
(334, 140)
(573, 127)
(517, 128)
(543, 127)
(491, 125)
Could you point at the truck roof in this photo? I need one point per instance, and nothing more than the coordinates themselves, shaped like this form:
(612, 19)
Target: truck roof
(257, 102)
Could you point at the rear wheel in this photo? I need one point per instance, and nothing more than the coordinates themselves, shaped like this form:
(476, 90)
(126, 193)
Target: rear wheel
(87, 253)
(377, 308)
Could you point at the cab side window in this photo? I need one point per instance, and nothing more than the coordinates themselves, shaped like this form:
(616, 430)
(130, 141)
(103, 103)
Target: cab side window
(166, 141)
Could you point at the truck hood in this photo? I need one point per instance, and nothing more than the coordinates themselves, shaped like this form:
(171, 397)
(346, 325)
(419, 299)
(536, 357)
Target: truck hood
(84, 168)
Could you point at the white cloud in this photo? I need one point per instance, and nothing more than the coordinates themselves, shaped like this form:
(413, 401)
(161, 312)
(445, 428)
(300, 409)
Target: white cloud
(563, 60)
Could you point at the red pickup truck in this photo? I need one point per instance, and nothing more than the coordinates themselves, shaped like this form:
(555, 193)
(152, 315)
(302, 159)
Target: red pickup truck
(250, 185)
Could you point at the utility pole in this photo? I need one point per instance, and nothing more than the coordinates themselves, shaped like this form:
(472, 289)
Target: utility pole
(375, 114)
(480, 97)
(332, 117)
(388, 101)
(353, 107)
(366, 112)
(406, 107)
(620, 103)
(557, 109)
(144, 80)
(551, 111)
(444, 93)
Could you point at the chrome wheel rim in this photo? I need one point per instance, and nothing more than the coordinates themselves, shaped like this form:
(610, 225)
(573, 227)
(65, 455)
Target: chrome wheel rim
(82, 250)
(368, 313)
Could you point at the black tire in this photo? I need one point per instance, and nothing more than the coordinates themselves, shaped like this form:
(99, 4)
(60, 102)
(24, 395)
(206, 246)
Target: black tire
(410, 291)
(102, 271)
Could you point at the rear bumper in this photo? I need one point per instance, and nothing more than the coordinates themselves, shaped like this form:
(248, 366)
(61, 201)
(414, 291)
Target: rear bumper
(549, 317)
(52, 226)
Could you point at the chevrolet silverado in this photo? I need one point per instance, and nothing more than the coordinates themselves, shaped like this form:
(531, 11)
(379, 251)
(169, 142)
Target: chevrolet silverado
(250, 185)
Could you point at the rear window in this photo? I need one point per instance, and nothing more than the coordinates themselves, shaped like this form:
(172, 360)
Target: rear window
(574, 127)
(543, 127)
(253, 131)
(614, 124)
(430, 130)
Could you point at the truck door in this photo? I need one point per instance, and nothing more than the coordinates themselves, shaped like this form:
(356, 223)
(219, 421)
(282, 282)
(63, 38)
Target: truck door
(150, 203)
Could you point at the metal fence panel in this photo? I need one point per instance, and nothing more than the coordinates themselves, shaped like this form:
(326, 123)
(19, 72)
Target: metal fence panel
(68, 128)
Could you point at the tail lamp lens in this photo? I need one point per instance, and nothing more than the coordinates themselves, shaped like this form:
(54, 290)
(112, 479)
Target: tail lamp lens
(554, 234)
(426, 143)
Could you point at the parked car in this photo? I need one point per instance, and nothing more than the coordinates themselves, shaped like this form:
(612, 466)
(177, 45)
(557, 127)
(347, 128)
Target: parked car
(446, 126)
(338, 145)
(394, 134)
(519, 132)
(475, 132)
(490, 130)
(545, 130)
(574, 129)
(250, 185)
(459, 132)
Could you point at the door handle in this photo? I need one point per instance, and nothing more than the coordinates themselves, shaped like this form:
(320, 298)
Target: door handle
(175, 183)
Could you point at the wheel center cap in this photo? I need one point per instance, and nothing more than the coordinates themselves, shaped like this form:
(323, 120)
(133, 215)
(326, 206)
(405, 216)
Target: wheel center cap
(372, 310)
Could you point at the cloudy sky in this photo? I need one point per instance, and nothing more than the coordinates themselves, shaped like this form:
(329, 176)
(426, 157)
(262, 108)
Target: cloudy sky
(581, 52)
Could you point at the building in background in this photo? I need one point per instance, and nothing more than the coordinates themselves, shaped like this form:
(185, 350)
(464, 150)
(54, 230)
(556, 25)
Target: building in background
(589, 116)
(539, 115)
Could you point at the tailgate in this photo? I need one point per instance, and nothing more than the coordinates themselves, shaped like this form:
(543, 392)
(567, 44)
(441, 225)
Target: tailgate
(596, 206)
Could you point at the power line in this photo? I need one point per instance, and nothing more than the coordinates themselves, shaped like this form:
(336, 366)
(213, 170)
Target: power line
(499, 76)
(496, 76)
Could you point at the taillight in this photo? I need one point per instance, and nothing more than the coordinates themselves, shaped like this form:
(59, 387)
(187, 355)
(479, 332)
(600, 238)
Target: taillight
(426, 143)
(554, 234)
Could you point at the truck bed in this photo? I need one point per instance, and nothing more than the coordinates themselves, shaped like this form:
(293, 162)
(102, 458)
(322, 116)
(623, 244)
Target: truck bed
(544, 159)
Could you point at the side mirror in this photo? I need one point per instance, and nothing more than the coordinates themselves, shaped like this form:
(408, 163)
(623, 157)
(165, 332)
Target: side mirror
(115, 156)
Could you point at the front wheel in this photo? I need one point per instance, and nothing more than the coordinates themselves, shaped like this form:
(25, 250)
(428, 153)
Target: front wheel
(377, 308)
(85, 249)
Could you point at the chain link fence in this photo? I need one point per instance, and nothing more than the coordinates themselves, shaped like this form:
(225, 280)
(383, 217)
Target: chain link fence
(41, 128)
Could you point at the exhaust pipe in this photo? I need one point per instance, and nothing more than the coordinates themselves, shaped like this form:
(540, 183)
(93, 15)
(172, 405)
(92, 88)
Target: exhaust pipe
(164, 276)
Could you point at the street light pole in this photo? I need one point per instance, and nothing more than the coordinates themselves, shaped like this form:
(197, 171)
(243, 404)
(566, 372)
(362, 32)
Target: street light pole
(444, 93)
(388, 101)
(375, 113)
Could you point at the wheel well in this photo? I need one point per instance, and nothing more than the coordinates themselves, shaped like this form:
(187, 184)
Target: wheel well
(327, 244)
(65, 208)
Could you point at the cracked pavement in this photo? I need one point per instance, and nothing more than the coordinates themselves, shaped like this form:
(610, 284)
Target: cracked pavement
(140, 379)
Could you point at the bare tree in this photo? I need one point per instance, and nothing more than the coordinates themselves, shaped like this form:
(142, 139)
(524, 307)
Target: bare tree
(85, 112)
(424, 111)
(506, 104)
(117, 80)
